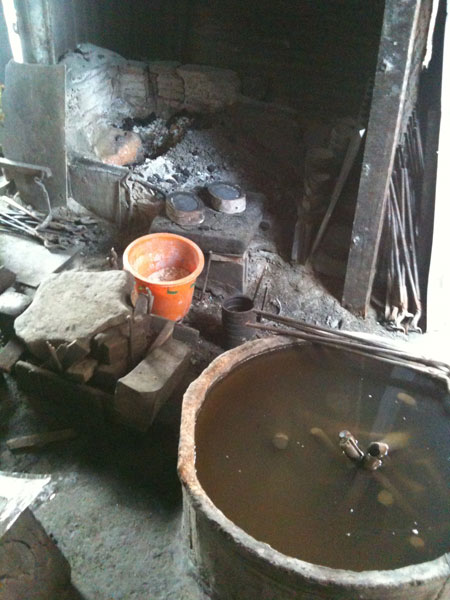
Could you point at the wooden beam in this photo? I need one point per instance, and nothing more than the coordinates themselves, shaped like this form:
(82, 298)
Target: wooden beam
(384, 129)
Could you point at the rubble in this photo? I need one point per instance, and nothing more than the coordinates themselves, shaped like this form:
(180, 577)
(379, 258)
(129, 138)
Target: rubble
(73, 306)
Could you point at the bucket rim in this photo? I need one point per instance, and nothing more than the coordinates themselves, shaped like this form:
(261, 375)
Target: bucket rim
(174, 282)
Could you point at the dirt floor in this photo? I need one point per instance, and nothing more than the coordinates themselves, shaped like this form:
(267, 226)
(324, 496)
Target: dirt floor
(114, 504)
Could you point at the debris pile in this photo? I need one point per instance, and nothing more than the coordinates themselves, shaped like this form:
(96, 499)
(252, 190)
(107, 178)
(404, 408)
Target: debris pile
(53, 232)
(88, 343)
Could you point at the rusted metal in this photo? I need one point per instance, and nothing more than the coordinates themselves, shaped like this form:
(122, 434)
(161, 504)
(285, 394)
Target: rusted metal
(227, 197)
(185, 208)
(237, 311)
(219, 547)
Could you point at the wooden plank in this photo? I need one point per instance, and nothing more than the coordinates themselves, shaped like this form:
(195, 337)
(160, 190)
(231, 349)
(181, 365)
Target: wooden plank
(38, 440)
(391, 82)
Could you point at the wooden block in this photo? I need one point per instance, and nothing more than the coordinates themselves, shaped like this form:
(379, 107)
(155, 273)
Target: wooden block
(53, 360)
(163, 336)
(7, 278)
(38, 440)
(10, 354)
(140, 394)
(74, 352)
(138, 340)
(82, 371)
(110, 346)
(106, 376)
(85, 405)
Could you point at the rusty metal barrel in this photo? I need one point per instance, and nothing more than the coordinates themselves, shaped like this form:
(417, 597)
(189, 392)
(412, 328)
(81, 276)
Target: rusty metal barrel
(232, 564)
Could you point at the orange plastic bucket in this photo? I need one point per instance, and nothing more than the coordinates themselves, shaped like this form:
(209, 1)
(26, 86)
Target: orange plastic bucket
(156, 251)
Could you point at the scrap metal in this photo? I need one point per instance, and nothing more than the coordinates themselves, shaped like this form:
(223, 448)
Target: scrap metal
(55, 233)
(398, 269)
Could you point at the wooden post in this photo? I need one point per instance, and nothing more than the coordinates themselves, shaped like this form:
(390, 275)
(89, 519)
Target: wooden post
(384, 129)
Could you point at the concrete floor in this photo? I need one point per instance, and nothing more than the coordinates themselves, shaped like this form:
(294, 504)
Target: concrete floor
(114, 503)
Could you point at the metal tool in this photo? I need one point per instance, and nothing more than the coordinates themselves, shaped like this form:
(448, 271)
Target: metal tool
(350, 446)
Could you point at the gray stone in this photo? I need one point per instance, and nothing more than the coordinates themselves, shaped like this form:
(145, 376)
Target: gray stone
(74, 306)
(13, 303)
(140, 394)
(7, 278)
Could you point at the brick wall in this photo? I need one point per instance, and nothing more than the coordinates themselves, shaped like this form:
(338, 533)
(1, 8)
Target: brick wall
(311, 54)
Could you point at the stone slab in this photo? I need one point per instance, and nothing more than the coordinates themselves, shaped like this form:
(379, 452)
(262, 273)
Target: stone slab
(35, 107)
(30, 260)
(221, 233)
(141, 393)
(75, 305)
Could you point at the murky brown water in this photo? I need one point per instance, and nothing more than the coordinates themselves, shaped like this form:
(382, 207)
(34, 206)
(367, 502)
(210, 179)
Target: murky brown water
(308, 500)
